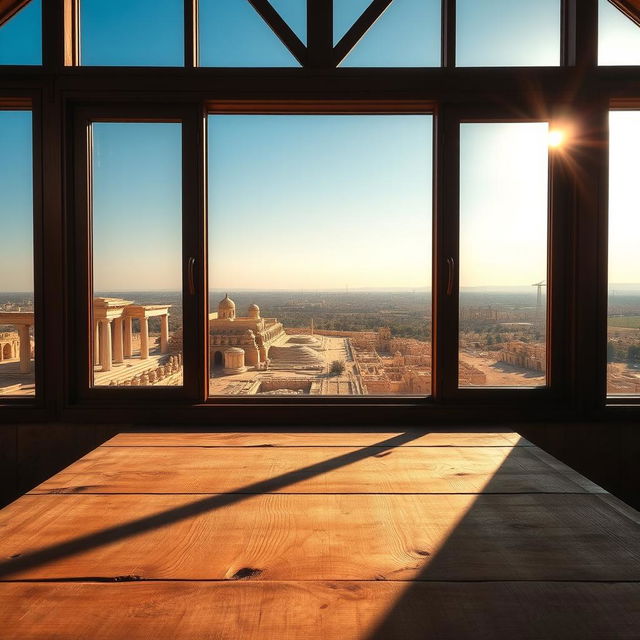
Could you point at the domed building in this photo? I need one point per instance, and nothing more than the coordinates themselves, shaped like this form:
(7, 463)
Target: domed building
(227, 308)
(251, 333)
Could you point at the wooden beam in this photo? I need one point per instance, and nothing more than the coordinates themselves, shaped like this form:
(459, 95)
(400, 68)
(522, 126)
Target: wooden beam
(9, 8)
(358, 29)
(320, 34)
(281, 29)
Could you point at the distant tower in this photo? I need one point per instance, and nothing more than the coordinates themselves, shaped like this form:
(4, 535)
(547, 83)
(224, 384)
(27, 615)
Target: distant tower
(311, 326)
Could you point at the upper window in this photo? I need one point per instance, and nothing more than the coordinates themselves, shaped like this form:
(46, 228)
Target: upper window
(21, 36)
(618, 36)
(144, 33)
(504, 33)
(407, 34)
(232, 34)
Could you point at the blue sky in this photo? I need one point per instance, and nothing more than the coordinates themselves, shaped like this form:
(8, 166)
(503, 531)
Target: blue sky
(16, 201)
(320, 201)
(263, 169)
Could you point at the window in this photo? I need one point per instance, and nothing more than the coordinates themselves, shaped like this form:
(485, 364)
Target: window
(137, 273)
(21, 36)
(124, 33)
(623, 321)
(320, 255)
(503, 254)
(407, 34)
(17, 321)
(233, 34)
(503, 33)
(618, 36)
(175, 170)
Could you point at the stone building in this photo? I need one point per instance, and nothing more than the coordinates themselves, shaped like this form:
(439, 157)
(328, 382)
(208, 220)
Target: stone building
(524, 355)
(113, 329)
(251, 333)
(18, 345)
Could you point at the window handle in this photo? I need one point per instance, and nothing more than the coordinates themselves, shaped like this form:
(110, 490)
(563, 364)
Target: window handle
(451, 266)
(191, 268)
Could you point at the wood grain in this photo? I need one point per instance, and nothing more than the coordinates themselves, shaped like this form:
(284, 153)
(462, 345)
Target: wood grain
(315, 439)
(317, 470)
(320, 611)
(318, 537)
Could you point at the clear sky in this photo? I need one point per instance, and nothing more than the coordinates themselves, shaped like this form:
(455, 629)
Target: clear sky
(503, 203)
(370, 201)
(16, 202)
(624, 204)
(137, 206)
(319, 201)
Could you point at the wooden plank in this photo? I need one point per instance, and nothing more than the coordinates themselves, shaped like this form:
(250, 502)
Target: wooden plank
(316, 470)
(328, 537)
(313, 439)
(320, 610)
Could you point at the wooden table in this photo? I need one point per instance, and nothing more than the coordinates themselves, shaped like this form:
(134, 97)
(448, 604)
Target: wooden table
(319, 535)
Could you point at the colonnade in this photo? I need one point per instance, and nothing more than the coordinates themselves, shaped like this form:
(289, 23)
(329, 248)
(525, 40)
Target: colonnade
(113, 339)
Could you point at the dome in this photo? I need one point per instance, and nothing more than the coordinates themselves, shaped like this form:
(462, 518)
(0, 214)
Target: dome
(227, 308)
(226, 303)
(253, 311)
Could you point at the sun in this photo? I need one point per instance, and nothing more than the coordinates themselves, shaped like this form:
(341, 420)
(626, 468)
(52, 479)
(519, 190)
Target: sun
(556, 138)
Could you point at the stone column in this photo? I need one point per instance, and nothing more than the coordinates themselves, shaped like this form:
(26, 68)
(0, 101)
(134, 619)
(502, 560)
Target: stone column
(144, 338)
(128, 349)
(164, 333)
(96, 342)
(118, 355)
(25, 348)
(105, 344)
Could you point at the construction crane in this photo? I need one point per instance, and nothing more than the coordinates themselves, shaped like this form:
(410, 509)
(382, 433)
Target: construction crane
(540, 284)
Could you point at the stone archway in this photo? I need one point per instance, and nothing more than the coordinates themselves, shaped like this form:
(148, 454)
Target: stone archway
(218, 359)
(7, 352)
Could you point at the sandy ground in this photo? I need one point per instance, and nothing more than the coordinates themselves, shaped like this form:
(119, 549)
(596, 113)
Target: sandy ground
(501, 374)
(10, 375)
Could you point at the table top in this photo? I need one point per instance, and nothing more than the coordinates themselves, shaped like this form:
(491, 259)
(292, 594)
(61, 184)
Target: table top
(407, 534)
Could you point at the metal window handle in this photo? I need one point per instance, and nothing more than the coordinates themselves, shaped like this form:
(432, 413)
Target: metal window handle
(451, 265)
(191, 268)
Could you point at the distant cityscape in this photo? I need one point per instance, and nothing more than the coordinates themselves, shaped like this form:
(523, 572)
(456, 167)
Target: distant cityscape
(340, 342)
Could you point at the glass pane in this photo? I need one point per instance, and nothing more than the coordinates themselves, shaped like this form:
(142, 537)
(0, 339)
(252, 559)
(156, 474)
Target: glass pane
(16, 257)
(144, 33)
(407, 34)
(623, 345)
(503, 254)
(232, 34)
(320, 255)
(21, 36)
(294, 13)
(504, 33)
(618, 36)
(137, 248)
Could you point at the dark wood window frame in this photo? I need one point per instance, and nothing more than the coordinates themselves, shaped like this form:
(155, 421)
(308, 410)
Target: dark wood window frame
(60, 93)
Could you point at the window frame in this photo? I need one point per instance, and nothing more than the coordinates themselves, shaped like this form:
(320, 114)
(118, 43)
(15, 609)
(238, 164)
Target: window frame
(578, 90)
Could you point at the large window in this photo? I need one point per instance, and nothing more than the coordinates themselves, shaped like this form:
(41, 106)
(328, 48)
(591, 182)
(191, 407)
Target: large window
(623, 321)
(137, 273)
(17, 320)
(503, 254)
(254, 203)
(320, 255)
